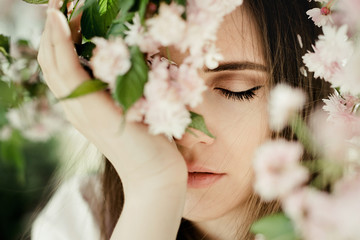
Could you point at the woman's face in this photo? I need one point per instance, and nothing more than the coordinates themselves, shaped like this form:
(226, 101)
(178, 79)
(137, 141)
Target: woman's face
(238, 122)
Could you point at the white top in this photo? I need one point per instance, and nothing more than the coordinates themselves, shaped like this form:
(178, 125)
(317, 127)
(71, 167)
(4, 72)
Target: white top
(68, 214)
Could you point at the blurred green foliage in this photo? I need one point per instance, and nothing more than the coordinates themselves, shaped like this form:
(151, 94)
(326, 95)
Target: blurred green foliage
(20, 199)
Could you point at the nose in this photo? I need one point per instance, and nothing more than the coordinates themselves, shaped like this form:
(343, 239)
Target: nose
(193, 137)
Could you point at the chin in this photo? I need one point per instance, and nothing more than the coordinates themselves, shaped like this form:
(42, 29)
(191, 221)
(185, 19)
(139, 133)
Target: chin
(208, 205)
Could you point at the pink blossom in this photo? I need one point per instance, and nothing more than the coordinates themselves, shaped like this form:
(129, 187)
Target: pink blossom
(136, 35)
(349, 78)
(191, 85)
(341, 108)
(166, 112)
(284, 102)
(319, 16)
(212, 57)
(110, 59)
(168, 27)
(215, 6)
(331, 53)
(168, 117)
(203, 19)
(136, 31)
(158, 81)
(137, 112)
(277, 169)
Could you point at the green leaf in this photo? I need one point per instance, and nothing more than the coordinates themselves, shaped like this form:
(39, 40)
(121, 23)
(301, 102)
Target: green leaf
(142, 9)
(275, 227)
(130, 87)
(7, 94)
(5, 42)
(3, 119)
(126, 5)
(126, 14)
(181, 2)
(63, 8)
(198, 123)
(98, 16)
(85, 88)
(11, 152)
(118, 27)
(5, 45)
(36, 1)
(85, 50)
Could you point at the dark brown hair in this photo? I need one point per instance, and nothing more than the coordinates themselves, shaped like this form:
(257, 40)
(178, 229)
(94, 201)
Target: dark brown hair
(279, 23)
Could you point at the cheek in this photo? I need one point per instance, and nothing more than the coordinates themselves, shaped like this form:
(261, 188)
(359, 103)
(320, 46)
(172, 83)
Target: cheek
(243, 129)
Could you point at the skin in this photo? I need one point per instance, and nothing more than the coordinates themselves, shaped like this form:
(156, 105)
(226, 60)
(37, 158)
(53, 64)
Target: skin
(158, 173)
(240, 126)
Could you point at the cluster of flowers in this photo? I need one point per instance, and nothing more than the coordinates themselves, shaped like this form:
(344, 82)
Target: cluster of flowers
(26, 106)
(170, 88)
(321, 196)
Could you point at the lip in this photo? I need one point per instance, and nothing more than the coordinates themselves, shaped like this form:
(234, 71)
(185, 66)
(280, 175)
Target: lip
(200, 177)
(202, 180)
(200, 169)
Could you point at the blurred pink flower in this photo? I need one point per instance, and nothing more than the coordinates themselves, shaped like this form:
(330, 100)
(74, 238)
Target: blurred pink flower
(312, 212)
(332, 137)
(36, 120)
(284, 102)
(168, 27)
(320, 215)
(347, 12)
(331, 53)
(278, 170)
(110, 59)
(320, 16)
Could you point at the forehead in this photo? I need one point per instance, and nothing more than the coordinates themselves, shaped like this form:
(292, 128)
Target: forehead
(238, 38)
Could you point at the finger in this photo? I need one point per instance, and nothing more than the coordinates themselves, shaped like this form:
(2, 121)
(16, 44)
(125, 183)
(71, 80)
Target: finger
(65, 56)
(45, 55)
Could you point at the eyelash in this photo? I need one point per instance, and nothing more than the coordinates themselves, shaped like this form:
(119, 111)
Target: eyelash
(239, 96)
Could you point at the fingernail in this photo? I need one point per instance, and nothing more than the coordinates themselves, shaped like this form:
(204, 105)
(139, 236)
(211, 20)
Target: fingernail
(58, 18)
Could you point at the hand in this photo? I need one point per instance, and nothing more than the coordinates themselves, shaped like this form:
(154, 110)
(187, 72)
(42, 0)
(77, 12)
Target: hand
(145, 163)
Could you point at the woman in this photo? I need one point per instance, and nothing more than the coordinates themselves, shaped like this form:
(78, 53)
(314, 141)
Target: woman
(196, 187)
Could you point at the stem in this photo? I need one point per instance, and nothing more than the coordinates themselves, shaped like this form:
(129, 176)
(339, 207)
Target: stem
(330, 4)
(168, 54)
(72, 13)
(303, 134)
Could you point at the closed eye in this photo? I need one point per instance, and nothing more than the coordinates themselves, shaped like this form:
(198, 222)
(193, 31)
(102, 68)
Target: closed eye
(239, 96)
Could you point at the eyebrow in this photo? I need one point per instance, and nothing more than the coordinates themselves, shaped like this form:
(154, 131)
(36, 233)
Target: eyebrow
(237, 66)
